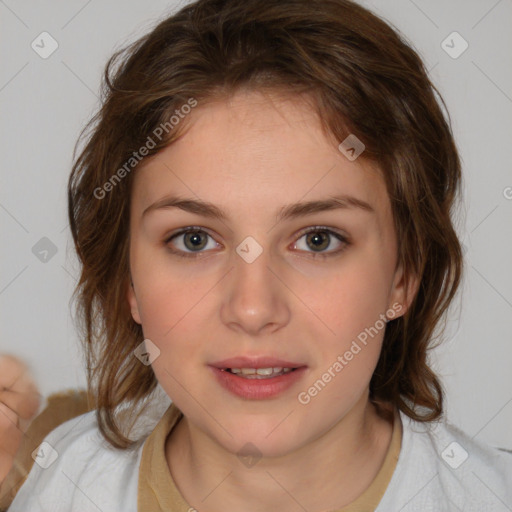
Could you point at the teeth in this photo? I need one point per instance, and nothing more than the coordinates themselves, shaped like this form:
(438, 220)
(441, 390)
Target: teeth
(259, 373)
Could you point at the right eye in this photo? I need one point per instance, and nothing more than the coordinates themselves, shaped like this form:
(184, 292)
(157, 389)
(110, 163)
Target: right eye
(189, 241)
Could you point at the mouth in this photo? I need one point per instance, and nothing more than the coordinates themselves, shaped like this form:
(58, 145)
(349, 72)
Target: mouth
(262, 362)
(257, 377)
(259, 373)
(257, 367)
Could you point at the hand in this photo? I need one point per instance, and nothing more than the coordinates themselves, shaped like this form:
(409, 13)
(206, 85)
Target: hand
(19, 403)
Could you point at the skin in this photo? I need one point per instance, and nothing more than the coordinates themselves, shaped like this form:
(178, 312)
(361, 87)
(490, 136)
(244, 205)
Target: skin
(19, 403)
(251, 155)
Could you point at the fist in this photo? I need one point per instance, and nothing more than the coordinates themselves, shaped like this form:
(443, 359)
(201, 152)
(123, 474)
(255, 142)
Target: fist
(19, 403)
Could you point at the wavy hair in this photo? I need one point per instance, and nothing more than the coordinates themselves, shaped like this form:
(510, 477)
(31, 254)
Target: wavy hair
(362, 77)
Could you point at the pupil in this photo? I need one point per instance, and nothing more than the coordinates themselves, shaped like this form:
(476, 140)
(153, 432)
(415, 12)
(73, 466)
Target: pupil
(195, 238)
(319, 239)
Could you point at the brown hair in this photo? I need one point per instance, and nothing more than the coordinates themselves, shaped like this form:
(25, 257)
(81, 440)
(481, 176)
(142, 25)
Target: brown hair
(363, 78)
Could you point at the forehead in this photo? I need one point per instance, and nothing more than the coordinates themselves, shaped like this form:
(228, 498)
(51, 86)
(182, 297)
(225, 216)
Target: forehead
(256, 150)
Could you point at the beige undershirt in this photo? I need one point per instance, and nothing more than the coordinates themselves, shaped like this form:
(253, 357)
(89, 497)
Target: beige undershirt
(157, 491)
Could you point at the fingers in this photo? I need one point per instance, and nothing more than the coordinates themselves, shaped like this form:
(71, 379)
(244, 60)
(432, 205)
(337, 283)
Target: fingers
(18, 390)
(11, 434)
(11, 369)
(6, 462)
(19, 401)
(25, 404)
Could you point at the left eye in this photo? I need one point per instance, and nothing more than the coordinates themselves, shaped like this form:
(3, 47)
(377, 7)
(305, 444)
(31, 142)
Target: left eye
(193, 240)
(321, 238)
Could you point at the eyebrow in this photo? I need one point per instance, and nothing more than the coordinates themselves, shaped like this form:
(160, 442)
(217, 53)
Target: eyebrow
(290, 211)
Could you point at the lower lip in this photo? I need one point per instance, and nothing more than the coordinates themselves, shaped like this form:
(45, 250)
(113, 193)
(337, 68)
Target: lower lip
(257, 389)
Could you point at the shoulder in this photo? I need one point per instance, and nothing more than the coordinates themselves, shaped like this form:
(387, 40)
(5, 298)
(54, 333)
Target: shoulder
(440, 467)
(76, 469)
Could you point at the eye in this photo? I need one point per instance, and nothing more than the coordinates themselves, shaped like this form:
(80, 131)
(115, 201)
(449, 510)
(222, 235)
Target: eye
(320, 238)
(194, 239)
(189, 241)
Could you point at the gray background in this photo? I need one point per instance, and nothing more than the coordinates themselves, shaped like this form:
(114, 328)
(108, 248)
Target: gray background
(45, 103)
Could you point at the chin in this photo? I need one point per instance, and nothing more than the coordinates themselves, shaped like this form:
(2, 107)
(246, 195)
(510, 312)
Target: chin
(260, 439)
(253, 449)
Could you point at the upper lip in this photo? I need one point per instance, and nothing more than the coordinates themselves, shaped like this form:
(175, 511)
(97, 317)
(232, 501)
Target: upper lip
(256, 362)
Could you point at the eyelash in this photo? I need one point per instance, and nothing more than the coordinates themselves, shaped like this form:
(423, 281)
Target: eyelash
(313, 229)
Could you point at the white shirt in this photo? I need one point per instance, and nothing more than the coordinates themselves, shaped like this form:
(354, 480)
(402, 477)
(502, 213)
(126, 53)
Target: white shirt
(440, 469)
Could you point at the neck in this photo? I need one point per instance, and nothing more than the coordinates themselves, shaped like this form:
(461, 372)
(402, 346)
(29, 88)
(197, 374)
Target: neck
(327, 473)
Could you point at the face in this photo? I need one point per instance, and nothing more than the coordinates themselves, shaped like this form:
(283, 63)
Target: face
(258, 278)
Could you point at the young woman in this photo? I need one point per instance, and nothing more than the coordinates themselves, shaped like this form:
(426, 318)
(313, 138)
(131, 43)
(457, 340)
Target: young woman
(263, 216)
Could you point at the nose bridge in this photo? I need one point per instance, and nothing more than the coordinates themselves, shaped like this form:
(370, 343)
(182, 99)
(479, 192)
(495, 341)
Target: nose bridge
(252, 279)
(256, 297)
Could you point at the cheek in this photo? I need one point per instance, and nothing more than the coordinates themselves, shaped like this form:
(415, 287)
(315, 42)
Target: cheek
(347, 329)
(348, 299)
(167, 310)
(173, 304)
(165, 290)
(171, 317)
(345, 338)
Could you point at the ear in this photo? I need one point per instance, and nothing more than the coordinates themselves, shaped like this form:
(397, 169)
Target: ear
(403, 293)
(132, 301)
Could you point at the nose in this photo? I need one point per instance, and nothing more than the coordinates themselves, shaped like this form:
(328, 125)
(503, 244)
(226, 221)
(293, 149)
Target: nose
(256, 300)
